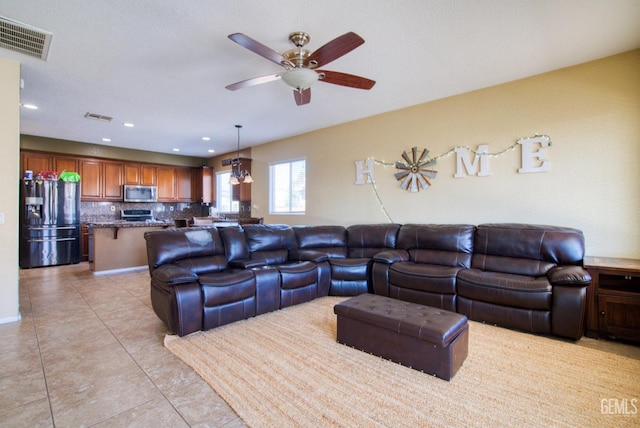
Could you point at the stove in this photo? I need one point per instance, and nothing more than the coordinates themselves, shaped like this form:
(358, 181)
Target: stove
(136, 215)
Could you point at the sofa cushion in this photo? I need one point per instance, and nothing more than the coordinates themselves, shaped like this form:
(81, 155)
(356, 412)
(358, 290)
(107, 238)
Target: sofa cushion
(298, 275)
(424, 277)
(557, 245)
(518, 291)
(170, 245)
(227, 287)
(270, 242)
(201, 265)
(349, 269)
(514, 265)
(235, 245)
(331, 240)
(441, 244)
(367, 240)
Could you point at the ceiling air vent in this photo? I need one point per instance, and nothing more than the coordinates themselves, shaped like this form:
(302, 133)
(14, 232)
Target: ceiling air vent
(100, 117)
(25, 39)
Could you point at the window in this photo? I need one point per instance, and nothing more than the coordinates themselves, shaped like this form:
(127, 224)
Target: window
(287, 184)
(224, 194)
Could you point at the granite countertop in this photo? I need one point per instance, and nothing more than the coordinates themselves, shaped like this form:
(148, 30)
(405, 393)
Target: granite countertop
(125, 223)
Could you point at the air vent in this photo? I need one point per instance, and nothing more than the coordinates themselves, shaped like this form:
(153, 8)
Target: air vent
(99, 117)
(25, 39)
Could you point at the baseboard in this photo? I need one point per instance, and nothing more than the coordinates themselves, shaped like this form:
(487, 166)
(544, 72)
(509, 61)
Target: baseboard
(10, 319)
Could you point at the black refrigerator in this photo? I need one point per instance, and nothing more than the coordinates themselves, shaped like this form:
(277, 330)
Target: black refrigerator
(50, 223)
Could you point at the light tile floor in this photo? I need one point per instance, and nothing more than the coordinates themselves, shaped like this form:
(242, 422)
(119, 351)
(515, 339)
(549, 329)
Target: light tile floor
(89, 352)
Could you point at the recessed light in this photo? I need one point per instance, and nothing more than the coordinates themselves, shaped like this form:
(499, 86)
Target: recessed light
(30, 106)
(211, 151)
(176, 150)
(128, 124)
(206, 138)
(106, 140)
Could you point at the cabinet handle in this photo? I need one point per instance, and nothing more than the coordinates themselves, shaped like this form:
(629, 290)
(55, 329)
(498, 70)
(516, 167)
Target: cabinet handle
(602, 313)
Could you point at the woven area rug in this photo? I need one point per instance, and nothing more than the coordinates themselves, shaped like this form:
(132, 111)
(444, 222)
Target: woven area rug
(285, 368)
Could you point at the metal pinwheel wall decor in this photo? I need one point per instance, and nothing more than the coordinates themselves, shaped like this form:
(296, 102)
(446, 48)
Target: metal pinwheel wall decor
(415, 173)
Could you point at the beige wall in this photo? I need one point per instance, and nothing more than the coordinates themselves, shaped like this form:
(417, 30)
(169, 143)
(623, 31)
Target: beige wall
(591, 112)
(9, 173)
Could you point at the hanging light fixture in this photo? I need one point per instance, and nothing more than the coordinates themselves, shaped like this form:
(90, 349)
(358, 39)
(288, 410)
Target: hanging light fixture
(238, 174)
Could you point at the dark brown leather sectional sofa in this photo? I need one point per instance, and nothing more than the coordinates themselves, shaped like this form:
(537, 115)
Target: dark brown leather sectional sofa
(526, 277)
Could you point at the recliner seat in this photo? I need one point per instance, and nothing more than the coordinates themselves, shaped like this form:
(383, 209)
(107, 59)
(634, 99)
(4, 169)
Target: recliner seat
(527, 277)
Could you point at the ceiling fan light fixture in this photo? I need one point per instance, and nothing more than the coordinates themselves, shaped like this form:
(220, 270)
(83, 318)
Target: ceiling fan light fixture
(299, 78)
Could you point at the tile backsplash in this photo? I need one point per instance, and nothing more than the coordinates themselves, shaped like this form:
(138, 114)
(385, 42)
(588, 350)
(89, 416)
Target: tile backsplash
(110, 211)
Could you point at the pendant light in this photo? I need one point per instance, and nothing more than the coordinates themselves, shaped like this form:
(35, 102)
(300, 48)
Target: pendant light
(238, 175)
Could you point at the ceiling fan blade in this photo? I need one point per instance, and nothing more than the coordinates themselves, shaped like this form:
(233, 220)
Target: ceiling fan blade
(302, 97)
(253, 81)
(334, 49)
(257, 47)
(344, 79)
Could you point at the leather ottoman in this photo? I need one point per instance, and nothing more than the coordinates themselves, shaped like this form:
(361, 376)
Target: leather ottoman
(432, 340)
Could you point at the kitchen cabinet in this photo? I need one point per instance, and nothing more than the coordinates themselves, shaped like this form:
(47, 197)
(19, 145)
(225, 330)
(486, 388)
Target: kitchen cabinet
(131, 173)
(112, 180)
(84, 242)
(204, 185)
(90, 180)
(166, 184)
(148, 175)
(135, 173)
(185, 186)
(101, 180)
(36, 162)
(62, 164)
(175, 184)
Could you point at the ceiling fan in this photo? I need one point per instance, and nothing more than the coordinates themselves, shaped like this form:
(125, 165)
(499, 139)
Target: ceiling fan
(300, 64)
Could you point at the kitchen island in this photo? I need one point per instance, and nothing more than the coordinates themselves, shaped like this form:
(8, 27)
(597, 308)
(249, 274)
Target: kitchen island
(118, 245)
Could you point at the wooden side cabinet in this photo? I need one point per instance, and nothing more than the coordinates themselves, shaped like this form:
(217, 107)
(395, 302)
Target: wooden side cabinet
(84, 242)
(613, 298)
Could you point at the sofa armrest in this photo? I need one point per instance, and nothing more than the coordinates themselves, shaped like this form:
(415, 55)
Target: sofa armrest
(247, 263)
(391, 256)
(568, 275)
(171, 275)
(308, 255)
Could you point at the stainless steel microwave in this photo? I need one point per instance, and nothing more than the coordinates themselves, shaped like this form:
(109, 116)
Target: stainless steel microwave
(135, 193)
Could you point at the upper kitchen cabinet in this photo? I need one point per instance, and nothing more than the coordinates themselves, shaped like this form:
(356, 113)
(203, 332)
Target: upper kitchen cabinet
(63, 164)
(176, 184)
(204, 185)
(185, 184)
(131, 173)
(148, 175)
(166, 177)
(101, 180)
(135, 173)
(36, 162)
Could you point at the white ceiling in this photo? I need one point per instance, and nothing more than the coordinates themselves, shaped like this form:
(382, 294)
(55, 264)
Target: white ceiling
(164, 64)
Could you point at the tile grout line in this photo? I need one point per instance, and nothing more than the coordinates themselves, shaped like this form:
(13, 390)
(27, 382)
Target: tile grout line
(130, 356)
(44, 374)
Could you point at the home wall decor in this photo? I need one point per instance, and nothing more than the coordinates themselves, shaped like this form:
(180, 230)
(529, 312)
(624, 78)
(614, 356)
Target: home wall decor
(415, 173)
